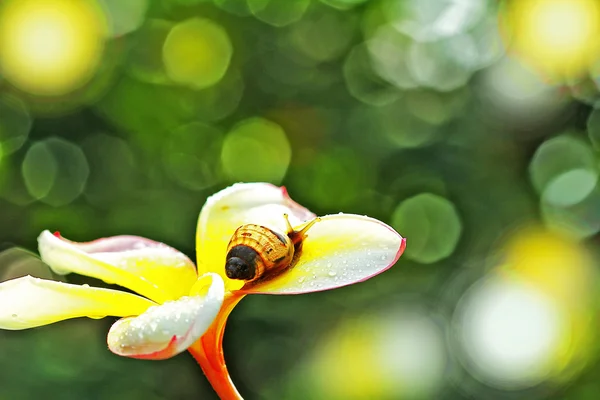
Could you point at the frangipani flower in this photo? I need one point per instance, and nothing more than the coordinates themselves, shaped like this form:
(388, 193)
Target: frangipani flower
(183, 308)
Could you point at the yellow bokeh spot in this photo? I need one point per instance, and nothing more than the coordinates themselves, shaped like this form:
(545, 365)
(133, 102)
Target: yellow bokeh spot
(558, 266)
(197, 53)
(50, 47)
(560, 37)
(355, 373)
(564, 271)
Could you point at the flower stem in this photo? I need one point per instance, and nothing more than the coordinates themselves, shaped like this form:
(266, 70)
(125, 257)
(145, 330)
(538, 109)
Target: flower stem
(208, 351)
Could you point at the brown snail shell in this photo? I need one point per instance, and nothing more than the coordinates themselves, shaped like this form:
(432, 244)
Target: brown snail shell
(255, 252)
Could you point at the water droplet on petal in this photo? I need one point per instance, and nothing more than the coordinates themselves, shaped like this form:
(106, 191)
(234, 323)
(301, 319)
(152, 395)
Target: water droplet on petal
(383, 258)
(332, 273)
(301, 279)
(85, 285)
(328, 265)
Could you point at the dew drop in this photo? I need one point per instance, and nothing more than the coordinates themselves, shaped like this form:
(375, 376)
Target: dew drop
(301, 279)
(383, 258)
(312, 283)
(85, 285)
(140, 335)
(332, 273)
(328, 265)
(153, 326)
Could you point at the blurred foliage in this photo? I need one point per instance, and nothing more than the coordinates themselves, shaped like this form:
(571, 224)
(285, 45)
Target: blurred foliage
(460, 122)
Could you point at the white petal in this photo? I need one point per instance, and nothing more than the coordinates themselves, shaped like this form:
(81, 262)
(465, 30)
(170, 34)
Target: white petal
(149, 268)
(243, 203)
(168, 329)
(28, 302)
(339, 250)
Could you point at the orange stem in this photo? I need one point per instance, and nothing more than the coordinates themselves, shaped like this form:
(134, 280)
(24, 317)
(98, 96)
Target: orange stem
(208, 351)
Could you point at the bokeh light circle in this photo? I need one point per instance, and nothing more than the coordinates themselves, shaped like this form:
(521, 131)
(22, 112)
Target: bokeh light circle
(362, 80)
(570, 187)
(278, 13)
(112, 164)
(145, 58)
(256, 149)
(430, 20)
(399, 354)
(563, 170)
(432, 224)
(193, 156)
(15, 124)
(50, 47)
(391, 65)
(335, 179)
(197, 53)
(531, 30)
(509, 332)
(55, 171)
(593, 128)
(323, 35)
(124, 16)
(512, 91)
(580, 220)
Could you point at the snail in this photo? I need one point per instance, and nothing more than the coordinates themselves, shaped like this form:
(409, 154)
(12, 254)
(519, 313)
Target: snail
(256, 252)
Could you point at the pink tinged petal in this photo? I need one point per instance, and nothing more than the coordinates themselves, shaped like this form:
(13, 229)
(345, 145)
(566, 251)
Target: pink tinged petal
(339, 250)
(149, 268)
(28, 302)
(168, 329)
(243, 203)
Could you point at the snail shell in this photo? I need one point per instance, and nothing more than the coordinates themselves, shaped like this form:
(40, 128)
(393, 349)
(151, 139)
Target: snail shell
(255, 251)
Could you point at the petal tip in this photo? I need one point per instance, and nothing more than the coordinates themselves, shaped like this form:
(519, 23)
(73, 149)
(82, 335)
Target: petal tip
(342, 249)
(166, 330)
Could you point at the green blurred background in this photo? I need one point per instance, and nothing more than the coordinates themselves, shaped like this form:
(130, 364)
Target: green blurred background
(468, 125)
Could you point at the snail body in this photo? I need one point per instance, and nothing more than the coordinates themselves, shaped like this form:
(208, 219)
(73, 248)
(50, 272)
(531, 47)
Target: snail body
(256, 252)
